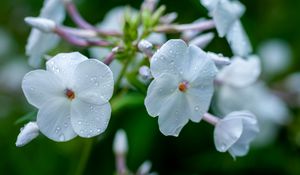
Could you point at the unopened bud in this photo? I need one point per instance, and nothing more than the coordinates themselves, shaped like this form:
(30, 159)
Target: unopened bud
(42, 24)
(29, 132)
(144, 168)
(120, 145)
(168, 18)
(145, 47)
(145, 72)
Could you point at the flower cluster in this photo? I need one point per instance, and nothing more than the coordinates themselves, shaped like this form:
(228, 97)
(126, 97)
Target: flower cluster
(178, 78)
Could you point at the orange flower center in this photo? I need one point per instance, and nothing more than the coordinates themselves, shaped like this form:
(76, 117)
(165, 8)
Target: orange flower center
(183, 86)
(70, 94)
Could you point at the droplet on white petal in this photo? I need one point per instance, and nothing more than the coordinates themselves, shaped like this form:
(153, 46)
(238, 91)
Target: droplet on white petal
(89, 120)
(53, 119)
(225, 14)
(94, 81)
(29, 132)
(63, 65)
(240, 72)
(238, 40)
(120, 144)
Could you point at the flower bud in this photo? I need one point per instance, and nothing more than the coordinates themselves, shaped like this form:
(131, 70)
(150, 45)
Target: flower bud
(29, 132)
(145, 47)
(144, 168)
(203, 40)
(120, 145)
(145, 72)
(42, 24)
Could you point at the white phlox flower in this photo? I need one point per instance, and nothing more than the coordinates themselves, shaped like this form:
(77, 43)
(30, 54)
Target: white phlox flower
(226, 15)
(72, 96)
(39, 42)
(29, 132)
(235, 132)
(182, 87)
(241, 72)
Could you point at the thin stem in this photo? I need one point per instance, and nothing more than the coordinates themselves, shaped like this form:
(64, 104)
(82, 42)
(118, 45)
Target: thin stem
(109, 58)
(77, 40)
(200, 26)
(82, 23)
(209, 118)
(122, 73)
(84, 156)
(121, 164)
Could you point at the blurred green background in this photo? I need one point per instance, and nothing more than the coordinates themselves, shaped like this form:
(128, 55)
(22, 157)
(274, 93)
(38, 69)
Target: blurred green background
(192, 152)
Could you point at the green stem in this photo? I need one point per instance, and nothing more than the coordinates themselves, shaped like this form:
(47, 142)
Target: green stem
(84, 156)
(122, 73)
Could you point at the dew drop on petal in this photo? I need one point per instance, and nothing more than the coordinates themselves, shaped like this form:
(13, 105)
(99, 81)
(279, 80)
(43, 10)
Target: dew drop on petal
(196, 108)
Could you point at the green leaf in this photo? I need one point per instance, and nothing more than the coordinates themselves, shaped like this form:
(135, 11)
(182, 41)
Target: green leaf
(27, 117)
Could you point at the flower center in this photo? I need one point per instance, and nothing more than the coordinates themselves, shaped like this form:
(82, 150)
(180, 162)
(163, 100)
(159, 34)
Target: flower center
(183, 86)
(69, 94)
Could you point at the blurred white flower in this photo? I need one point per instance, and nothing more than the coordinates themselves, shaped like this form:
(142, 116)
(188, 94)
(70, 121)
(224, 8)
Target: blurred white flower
(276, 56)
(226, 14)
(234, 133)
(42, 24)
(12, 73)
(240, 73)
(29, 132)
(38, 42)
(182, 87)
(7, 43)
(145, 168)
(292, 82)
(120, 145)
(270, 110)
(72, 96)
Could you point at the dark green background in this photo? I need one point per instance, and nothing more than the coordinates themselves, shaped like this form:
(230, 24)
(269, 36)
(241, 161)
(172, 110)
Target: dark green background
(193, 151)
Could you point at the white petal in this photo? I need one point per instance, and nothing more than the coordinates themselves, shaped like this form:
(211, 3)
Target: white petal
(89, 120)
(239, 149)
(170, 58)
(226, 14)
(53, 120)
(159, 91)
(38, 44)
(240, 73)
(64, 64)
(238, 40)
(93, 82)
(39, 86)
(210, 5)
(157, 38)
(200, 69)
(175, 114)
(226, 133)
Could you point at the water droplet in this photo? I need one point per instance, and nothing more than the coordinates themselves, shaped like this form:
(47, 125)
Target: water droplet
(79, 122)
(196, 108)
(65, 124)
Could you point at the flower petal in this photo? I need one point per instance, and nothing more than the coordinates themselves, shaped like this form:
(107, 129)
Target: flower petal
(159, 91)
(238, 40)
(226, 133)
(174, 115)
(225, 14)
(88, 119)
(40, 85)
(241, 73)
(200, 69)
(239, 149)
(94, 82)
(53, 120)
(169, 58)
(64, 64)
